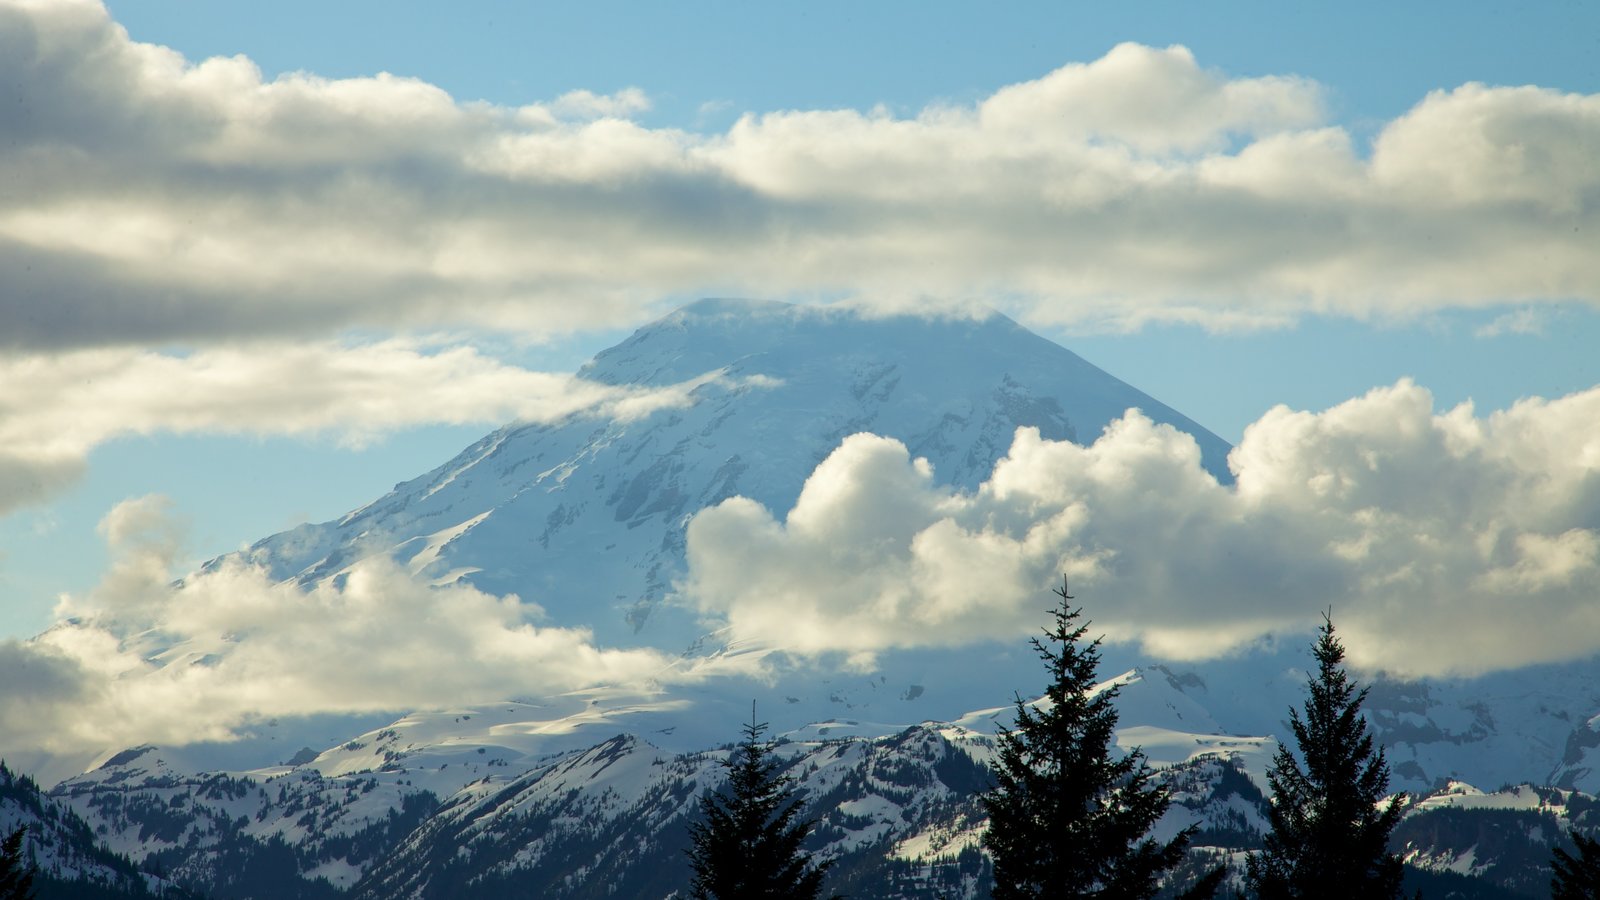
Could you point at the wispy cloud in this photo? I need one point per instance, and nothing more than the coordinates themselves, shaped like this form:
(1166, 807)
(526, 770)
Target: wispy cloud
(1445, 542)
(55, 408)
(1521, 321)
(161, 200)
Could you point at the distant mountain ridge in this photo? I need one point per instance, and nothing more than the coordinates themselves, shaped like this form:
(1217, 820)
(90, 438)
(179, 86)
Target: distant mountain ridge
(384, 816)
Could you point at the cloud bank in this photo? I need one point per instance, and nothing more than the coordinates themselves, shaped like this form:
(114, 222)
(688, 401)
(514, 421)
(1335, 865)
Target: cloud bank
(154, 199)
(141, 660)
(55, 408)
(1446, 543)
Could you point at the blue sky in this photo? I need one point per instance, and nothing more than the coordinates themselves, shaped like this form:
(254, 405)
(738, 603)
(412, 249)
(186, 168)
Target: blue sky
(1379, 58)
(1493, 322)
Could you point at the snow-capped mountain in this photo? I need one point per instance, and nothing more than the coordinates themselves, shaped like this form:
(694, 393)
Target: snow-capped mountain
(586, 518)
(530, 508)
(450, 805)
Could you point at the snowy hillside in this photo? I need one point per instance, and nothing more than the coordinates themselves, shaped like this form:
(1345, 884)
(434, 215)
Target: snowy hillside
(450, 805)
(67, 857)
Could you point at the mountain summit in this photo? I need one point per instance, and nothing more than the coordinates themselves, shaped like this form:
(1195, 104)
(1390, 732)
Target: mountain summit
(585, 517)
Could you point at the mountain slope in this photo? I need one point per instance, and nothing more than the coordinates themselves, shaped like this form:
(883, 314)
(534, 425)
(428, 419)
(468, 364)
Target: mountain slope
(69, 860)
(898, 814)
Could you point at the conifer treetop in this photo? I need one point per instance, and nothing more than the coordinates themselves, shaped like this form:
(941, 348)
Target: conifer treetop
(1576, 877)
(16, 875)
(1067, 816)
(1330, 826)
(748, 843)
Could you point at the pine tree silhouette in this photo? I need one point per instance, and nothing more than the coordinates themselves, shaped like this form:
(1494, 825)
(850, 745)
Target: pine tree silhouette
(16, 875)
(1576, 877)
(747, 845)
(1065, 818)
(1329, 837)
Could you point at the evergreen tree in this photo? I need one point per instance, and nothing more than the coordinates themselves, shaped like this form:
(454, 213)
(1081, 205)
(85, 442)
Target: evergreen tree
(1576, 877)
(16, 875)
(1066, 819)
(747, 844)
(1207, 886)
(1329, 836)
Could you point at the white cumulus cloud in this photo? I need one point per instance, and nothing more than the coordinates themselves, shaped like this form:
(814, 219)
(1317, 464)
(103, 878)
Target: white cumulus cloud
(141, 659)
(1444, 542)
(157, 199)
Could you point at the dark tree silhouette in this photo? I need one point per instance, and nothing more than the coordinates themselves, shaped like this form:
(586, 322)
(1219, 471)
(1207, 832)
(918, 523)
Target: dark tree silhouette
(16, 875)
(1576, 877)
(747, 844)
(1066, 819)
(1329, 836)
(1207, 886)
